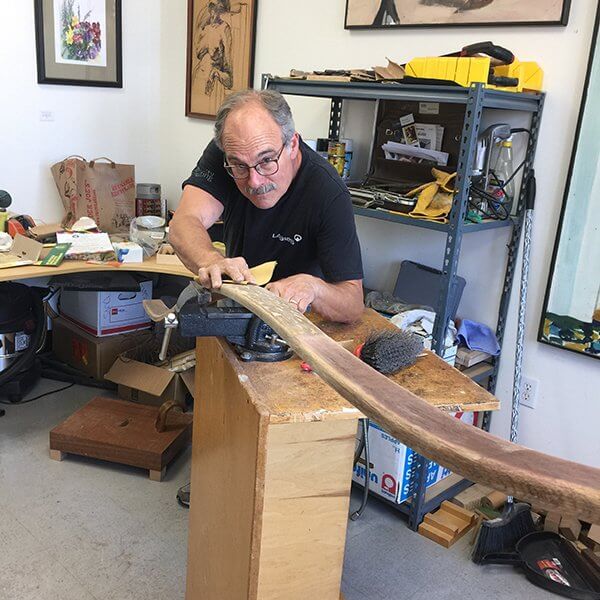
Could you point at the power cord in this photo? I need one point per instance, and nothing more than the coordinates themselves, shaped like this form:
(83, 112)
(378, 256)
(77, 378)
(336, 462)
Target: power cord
(66, 387)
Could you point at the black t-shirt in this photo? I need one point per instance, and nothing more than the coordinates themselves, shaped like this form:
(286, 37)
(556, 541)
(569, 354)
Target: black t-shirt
(310, 230)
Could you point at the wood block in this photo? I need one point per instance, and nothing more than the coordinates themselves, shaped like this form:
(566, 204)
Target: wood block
(122, 432)
(56, 454)
(494, 500)
(591, 544)
(540, 510)
(569, 527)
(448, 524)
(435, 534)
(471, 497)
(157, 475)
(552, 522)
(594, 534)
(442, 521)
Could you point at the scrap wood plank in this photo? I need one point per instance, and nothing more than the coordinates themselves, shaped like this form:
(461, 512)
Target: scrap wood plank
(471, 497)
(448, 524)
(570, 527)
(469, 451)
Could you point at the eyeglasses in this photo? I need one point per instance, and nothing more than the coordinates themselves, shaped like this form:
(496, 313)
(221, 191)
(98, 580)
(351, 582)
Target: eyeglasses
(268, 166)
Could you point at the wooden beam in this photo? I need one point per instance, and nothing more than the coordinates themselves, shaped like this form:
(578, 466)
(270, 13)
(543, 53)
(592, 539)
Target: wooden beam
(475, 454)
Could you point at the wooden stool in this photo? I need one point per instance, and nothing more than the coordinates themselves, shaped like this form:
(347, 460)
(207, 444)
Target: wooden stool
(123, 432)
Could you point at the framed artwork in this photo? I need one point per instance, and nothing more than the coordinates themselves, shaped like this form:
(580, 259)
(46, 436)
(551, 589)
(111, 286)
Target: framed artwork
(220, 52)
(381, 14)
(79, 42)
(571, 313)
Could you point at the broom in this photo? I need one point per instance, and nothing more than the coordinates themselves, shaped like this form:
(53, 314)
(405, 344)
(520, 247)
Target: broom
(501, 534)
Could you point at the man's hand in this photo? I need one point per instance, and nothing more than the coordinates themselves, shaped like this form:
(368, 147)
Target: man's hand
(300, 290)
(211, 274)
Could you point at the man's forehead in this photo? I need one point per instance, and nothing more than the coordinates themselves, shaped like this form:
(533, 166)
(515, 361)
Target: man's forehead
(251, 132)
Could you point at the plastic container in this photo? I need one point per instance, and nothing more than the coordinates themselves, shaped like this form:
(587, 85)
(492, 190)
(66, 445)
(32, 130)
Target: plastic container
(500, 173)
(149, 232)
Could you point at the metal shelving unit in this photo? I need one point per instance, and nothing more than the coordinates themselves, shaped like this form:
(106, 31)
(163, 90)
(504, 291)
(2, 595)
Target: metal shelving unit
(476, 99)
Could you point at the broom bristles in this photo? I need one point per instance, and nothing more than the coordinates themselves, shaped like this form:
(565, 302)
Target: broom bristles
(503, 533)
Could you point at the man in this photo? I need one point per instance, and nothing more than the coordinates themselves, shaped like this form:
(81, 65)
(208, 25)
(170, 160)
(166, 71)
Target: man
(280, 201)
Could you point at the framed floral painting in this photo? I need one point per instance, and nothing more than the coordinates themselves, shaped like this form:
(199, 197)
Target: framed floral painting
(79, 42)
(571, 313)
(220, 53)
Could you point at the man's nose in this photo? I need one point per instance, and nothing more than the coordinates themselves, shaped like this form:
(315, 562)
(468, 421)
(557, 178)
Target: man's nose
(255, 179)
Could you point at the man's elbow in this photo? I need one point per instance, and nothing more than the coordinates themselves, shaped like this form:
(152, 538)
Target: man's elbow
(353, 310)
(355, 313)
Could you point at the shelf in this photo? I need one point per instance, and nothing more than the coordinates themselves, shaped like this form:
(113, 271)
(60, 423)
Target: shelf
(395, 91)
(479, 372)
(442, 490)
(386, 215)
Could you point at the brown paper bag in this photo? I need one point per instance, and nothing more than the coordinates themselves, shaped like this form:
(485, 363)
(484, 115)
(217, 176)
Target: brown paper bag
(103, 191)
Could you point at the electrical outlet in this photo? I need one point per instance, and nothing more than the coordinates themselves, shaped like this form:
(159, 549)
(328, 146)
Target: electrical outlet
(529, 389)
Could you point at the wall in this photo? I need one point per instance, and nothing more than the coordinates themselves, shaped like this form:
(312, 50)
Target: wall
(144, 123)
(90, 121)
(310, 35)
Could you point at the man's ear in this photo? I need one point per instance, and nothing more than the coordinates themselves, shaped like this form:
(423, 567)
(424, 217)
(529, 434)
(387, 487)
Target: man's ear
(294, 146)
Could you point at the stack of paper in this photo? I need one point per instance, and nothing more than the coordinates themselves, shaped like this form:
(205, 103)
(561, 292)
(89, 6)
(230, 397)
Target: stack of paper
(396, 151)
(87, 246)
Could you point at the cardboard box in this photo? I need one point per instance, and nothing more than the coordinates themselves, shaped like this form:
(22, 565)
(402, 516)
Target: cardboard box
(392, 464)
(24, 251)
(128, 252)
(90, 354)
(107, 313)
(140, 382)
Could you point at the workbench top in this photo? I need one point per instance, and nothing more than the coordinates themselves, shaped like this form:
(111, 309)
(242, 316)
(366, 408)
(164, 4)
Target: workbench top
(288, 394)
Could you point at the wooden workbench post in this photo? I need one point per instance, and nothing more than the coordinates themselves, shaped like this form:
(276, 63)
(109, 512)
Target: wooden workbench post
(270, 491)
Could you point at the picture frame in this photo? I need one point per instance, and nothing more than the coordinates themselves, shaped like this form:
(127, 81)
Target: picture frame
(570, 317)
(79, 42)
(220, 53)
(386, 14)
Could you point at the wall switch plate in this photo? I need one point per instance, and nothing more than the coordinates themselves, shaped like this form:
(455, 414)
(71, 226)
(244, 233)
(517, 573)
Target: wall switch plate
(46, 115)
(528, 396)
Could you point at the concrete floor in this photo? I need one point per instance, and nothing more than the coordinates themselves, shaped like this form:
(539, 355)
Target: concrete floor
(86, 530)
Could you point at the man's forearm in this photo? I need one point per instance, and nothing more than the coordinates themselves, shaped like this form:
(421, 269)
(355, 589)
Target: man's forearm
(341, 302)
(192, 243)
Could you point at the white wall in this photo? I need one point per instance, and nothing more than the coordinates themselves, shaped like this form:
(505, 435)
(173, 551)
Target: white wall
(144, 124)
(91, 121)
(310, 35)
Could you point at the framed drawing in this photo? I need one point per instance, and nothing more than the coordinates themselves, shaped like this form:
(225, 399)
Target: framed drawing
(571, 313)
(220, 52)
(379, 14)
(79, 42)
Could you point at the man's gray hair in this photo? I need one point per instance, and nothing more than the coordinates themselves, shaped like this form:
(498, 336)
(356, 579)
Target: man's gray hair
(273, 102)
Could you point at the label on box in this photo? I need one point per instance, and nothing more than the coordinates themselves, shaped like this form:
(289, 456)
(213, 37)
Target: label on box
(429, 108)
(392, 464)
(21, 341)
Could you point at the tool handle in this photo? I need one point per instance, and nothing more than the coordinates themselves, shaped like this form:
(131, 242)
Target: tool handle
(505, 56)
(160, 423)
(162, 355)
(501, 558)
(501, 81)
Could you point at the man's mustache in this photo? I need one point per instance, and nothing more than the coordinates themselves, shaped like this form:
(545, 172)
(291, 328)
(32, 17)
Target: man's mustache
(261, 189)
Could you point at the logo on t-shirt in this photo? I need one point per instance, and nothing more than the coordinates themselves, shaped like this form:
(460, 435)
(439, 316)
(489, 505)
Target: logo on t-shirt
(296, 238)
(201, 173)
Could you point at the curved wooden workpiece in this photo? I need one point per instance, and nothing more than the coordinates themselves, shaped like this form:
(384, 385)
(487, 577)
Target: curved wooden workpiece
(471, 452)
